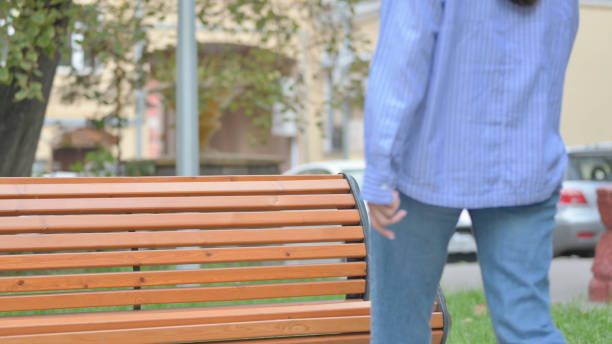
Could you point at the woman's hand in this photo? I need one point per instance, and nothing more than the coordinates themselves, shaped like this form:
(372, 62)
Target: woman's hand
(383, 215)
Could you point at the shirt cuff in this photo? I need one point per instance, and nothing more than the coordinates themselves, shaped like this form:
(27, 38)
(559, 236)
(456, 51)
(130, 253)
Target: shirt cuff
(377, 186)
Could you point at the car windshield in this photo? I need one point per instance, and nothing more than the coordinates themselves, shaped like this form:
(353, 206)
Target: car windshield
(357, 174)
(590, 168)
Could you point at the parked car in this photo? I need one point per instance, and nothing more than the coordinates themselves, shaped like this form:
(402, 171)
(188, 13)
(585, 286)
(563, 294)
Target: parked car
(579, 224)
(461, 243)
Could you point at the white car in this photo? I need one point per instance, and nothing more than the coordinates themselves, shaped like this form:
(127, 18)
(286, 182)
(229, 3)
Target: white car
(461, 243)
(579, 225)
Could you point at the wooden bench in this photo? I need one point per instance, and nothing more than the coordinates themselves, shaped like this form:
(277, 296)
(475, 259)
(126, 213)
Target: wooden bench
(107, 256)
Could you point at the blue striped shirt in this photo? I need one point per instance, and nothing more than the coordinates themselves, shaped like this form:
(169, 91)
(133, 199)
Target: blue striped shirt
(463, 101)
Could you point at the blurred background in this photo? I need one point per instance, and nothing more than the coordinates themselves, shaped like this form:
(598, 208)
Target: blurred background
(89, 88)
(280, 83)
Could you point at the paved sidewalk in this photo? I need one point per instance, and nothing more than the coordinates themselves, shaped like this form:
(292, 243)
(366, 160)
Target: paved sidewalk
(569, 278)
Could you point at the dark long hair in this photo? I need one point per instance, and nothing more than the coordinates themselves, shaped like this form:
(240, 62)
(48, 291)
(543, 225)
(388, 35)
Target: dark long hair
(524, 2)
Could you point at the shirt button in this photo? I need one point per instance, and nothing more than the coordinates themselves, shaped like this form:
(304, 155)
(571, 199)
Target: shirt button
(384, 187)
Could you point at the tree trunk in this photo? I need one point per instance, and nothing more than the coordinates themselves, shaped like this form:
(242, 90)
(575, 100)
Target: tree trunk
(21, 122)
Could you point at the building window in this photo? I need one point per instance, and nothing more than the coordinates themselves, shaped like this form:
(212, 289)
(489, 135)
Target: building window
(337, 139)
(79, 57)
(284, 121)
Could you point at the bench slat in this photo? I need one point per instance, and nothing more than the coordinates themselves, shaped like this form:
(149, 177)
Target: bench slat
(189, 333)
(331, 339)
(45, 224)
(170, 257)
(124, 222)
(436, 338)
(279, 187)
(178, 277)
(10, 303)
(162, 179)
(10, 326)
(80, 241)
(14, 207)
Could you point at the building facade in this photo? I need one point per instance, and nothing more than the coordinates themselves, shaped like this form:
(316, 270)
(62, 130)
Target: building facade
(333, 133)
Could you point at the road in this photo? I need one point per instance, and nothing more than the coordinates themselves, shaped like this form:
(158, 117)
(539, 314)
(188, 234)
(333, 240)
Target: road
(569, 278)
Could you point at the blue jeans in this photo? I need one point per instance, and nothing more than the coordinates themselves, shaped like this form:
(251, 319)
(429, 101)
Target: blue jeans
(514, 251)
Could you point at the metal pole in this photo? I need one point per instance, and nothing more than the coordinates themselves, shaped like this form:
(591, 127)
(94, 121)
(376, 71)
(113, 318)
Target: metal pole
(187, 155)
(187, 143)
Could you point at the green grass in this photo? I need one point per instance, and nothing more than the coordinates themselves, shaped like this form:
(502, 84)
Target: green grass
(580, 323)
(468, 327)
(165, 306)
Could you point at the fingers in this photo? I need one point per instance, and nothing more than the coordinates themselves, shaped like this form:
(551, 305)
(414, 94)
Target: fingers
(387, 211)
(390, 209)
(382, 229)
(383, 215)
(380, 221)
(398, 216)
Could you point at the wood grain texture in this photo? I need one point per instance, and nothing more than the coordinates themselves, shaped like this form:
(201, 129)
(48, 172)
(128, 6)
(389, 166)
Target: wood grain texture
(363, 338)
(80, 241)
(170, 257)
(178, 277)
(150, 214)
(63, 206)
(173, 317)
(126, 222)
(436, 336)
(163, 179)
(10, 326)
(9, 303)
(221, 188)
(190, 333)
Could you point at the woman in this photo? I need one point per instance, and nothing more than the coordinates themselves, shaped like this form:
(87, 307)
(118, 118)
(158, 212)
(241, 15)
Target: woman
(462, 111)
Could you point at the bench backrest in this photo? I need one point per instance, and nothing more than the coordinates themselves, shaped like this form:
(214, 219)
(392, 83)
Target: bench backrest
(96, 243)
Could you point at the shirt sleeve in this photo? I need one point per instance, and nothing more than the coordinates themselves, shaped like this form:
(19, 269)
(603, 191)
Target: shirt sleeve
(397, 82)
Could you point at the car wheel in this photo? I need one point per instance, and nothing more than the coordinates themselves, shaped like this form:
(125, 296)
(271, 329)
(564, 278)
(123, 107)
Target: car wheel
(598, 174)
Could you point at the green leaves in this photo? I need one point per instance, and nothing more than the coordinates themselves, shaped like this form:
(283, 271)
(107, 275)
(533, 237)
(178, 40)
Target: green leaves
(246, 78)
(31, 32)
(38, 18)
(5, 76)
(98, 163)
(21, 94)
(34, 91)
(32, 56)
(28, 29)
(45, 39)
